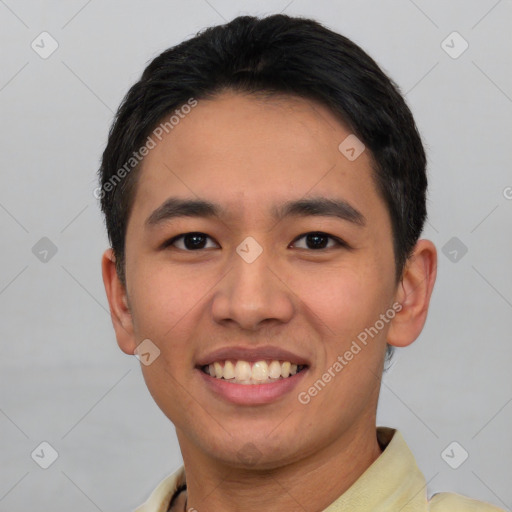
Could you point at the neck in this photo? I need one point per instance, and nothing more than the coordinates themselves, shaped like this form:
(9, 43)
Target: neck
(213, 485)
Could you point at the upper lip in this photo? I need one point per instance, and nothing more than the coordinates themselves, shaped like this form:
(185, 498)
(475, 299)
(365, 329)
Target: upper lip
(252, 354)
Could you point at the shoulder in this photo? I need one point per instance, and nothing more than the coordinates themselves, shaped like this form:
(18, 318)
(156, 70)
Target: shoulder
(451, 502)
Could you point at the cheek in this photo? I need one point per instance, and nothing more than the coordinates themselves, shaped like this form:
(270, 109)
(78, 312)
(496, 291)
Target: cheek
(162, 304)
(345, 300)
(161, 297)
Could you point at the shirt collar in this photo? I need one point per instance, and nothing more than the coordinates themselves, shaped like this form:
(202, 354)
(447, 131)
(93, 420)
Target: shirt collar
(392, 482)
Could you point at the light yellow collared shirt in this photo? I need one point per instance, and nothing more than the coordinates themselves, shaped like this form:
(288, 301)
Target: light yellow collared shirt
(392, 483)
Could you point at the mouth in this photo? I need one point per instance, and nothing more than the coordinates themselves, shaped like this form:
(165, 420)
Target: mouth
(265, 371)
(244, 375)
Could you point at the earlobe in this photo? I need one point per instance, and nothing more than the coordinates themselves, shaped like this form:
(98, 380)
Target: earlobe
(413, 293)
(118, 303)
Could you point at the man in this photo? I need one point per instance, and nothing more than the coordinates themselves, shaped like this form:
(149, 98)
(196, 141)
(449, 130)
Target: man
(264, 191)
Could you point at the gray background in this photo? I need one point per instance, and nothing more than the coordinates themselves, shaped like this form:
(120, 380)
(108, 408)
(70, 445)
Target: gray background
(63, 379)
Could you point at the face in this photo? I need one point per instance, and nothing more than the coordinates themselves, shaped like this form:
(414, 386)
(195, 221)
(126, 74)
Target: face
(291, 262)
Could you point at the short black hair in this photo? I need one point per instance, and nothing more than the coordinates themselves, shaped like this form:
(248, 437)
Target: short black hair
(277, 54)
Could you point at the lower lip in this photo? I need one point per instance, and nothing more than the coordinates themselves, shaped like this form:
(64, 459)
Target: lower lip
(252, 394)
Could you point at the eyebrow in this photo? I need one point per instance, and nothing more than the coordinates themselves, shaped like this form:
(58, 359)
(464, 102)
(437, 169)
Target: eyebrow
(175, 207)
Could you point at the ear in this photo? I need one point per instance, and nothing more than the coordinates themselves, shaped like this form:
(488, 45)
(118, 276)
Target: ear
(118, 302)
(413, 293)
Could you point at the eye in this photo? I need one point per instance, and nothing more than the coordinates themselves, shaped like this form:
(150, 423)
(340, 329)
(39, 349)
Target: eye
(189, 241)
(196, 241)
(318, 240)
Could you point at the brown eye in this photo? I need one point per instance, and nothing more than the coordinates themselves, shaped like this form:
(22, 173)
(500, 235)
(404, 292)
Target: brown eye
(318, 240)
(189, 241)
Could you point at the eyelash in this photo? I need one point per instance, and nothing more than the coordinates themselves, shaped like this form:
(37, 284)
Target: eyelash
(339, 242)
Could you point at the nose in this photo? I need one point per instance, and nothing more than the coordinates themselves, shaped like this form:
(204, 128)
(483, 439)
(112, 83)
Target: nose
(253, 293)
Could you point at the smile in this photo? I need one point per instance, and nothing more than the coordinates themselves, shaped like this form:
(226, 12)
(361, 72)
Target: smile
(245, 372)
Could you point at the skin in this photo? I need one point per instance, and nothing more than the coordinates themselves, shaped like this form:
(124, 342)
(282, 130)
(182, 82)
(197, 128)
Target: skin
(248, 154)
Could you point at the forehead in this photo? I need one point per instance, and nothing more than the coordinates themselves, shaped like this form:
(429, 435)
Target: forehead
(246, 128)
(247, 152)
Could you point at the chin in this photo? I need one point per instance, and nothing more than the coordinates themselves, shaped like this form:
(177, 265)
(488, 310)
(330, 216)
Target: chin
(251, 451)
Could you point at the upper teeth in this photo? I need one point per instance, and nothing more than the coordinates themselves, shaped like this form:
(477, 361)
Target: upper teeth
(244, 372)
